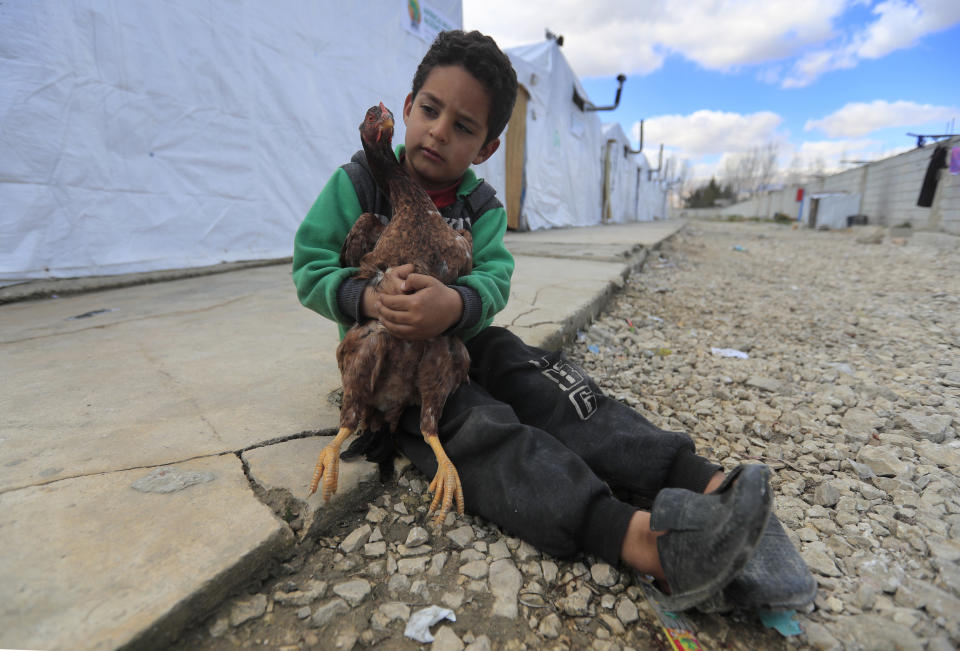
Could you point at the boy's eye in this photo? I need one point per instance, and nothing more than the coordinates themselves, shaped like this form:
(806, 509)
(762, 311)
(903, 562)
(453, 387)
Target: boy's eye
(429, 110)
(462, 127)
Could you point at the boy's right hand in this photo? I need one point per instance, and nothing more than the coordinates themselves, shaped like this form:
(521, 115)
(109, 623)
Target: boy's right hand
(391, 283)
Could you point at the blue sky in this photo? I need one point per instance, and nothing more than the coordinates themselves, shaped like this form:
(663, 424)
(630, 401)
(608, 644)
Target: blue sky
(822, 80)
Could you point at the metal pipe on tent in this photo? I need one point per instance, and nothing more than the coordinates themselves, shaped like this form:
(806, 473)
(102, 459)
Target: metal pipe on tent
(584, 105)
(627, 150)
(659, 165)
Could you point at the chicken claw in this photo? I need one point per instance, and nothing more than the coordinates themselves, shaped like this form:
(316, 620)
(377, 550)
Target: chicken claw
(328, 463)
(446, 483)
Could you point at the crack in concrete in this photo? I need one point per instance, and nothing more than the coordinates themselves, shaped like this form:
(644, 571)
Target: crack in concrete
(238, 453)
(103, 326)
(11, 489)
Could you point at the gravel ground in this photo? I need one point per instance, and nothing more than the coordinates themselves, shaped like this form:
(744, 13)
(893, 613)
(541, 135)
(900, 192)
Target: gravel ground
(850, 391)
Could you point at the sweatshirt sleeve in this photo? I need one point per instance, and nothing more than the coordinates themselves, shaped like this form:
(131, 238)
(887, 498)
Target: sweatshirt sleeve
(490, 276)
(317, 273)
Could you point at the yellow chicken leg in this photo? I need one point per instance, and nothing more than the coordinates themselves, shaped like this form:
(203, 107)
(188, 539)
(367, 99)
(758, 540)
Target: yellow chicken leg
(446, 483)
(329, 464)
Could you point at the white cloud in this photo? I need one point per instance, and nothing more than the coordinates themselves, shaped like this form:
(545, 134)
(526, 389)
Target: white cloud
(899, 24)
(605, 37)
(705, 133)
(859, 118)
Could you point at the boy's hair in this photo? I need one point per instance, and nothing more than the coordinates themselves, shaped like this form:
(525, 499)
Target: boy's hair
(481, 57)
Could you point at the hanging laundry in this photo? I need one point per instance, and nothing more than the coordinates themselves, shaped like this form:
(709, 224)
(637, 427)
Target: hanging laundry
(929, 188)
(955, 160)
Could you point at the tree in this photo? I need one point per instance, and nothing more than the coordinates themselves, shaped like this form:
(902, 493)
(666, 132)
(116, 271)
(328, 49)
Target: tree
(706, 195)
(751, 171)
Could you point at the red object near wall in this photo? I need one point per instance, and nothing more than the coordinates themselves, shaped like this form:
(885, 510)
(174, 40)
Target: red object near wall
(799, 194)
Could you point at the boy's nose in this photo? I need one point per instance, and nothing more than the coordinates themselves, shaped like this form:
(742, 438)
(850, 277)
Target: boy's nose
(441, 129)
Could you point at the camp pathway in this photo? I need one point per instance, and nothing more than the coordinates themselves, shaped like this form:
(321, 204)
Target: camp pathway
(157, 440)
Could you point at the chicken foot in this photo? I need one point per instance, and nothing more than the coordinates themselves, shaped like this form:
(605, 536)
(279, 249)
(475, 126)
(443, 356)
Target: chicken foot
(328, 463)
(446, 483)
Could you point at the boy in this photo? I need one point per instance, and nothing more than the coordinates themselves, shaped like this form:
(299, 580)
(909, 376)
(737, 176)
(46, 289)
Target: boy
(536, 443)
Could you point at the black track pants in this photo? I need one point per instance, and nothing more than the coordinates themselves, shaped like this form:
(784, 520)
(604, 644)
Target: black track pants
(537, 446)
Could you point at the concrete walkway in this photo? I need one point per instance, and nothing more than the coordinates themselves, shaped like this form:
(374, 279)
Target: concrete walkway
(156, 441)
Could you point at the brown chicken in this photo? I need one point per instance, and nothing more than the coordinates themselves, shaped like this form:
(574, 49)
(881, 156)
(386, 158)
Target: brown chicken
(381, 374)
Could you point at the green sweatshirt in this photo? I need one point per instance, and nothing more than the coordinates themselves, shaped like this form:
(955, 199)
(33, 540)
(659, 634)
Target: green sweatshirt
(317, 272)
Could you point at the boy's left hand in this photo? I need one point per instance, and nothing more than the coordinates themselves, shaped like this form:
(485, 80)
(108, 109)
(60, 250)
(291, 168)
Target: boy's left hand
(426, 309)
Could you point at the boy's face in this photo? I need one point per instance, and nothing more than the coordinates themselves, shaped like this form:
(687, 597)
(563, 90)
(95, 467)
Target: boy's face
(446, 127)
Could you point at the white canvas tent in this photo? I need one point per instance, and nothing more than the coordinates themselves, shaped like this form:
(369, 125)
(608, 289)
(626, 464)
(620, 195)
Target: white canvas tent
(552, 148)
(138, 136)
(629, 192)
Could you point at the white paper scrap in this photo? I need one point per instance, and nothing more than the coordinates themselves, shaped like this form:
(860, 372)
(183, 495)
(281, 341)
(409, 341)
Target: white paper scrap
(729, 352)
(418, 626)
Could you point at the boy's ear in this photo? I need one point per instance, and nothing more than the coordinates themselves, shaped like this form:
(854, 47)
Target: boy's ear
(487, 151)
(407, 107)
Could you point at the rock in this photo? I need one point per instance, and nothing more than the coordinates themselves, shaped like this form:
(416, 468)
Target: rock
(883, 460)
(826, 494)
(474, 569)
(419, 588)
(375, 549)
(819, 637)
(411, 566)
(819, 562)
(871, 235)
(764, 384)
(505, 582)
(345, 640)
(482, 643)
(311, 592)
(498, 550)
(604, 574)
(876, 632)
(920, 594)
(376, 515)
(627, 611)
(244, 610)
(461, 536)
(353, 592)
(419, 550)
(526, 551)
(944, 456)
(393, 610)
(219, 626)
(453, 599)
(398, 583)
(446, 640)
(437, 563)
(356, 539)
(417, 536)
(550, 571)
(577, 603)
(550, 627)
(866, 596)
(322, 615)
(931, 427)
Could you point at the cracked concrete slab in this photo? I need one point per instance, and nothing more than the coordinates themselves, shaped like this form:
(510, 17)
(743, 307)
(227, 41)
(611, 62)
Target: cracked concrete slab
(177, 370)
(284, 470)
(94, 563)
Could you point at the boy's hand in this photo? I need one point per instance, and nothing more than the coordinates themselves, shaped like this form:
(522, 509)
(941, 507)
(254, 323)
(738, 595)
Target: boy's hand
(422, 308)
(391, 283)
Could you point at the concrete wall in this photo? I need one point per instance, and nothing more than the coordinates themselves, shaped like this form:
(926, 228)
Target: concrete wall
(888, 188)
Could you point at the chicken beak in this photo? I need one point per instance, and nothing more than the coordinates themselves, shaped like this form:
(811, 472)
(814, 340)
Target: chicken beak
(386, 121)
(386, 125)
